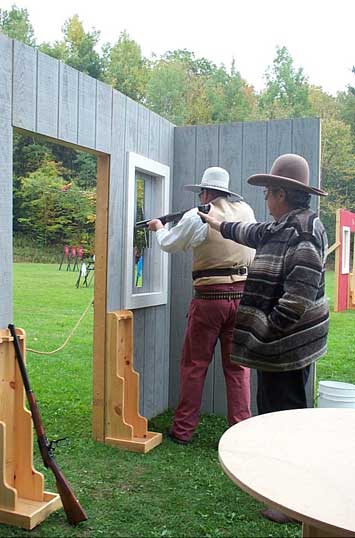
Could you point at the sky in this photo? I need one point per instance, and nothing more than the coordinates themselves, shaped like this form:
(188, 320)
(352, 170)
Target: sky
(317, 33)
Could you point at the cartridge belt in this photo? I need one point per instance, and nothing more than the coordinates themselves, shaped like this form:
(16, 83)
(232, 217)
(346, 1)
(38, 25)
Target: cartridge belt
(228, 271)
(215, 295)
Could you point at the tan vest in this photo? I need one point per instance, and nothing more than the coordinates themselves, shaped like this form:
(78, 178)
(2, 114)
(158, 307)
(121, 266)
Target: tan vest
(217, 252)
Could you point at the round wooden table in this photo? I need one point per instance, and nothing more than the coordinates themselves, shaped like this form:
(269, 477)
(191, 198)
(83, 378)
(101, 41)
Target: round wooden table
(301, 462)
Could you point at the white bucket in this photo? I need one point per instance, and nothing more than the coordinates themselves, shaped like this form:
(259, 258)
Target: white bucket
(336, 394)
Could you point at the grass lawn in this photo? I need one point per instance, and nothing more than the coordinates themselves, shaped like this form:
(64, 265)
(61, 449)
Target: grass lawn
(171, 492)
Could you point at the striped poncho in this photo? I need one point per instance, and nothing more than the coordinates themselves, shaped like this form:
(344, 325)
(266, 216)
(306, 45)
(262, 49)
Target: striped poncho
(282, 320)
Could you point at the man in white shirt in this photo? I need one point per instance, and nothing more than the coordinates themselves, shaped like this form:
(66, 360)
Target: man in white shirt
(219, 272)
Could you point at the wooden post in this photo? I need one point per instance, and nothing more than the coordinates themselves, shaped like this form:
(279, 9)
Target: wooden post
(337, 262)
(23, 501)
(125, 427)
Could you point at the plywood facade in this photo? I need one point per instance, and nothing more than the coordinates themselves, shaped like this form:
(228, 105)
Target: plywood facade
(41, 95)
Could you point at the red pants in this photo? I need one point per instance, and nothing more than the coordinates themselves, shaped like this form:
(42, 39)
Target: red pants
(208, 320)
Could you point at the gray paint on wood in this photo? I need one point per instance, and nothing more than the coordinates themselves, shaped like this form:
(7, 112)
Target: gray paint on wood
(243, 149)
(103, 117)
(6, 50)
(24, 87)
(207, 146)
(181, 288)
(116, 203)
(68, 104)
(87, 111)
(82, 115)
(306, 142)
(230, 153)
(253, 161)
(47, 95)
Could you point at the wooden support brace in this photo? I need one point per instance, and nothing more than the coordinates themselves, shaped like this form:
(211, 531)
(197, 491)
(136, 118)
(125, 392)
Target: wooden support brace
(124, 426)
(23, 501)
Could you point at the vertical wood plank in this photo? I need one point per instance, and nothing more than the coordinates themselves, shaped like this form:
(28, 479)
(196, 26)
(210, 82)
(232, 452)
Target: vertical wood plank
(116, 205)
(47, 95)
(230, 153)
(143, 131)
(207, 141)
(306, 142)
(87, 111)
(24, 87)
(181, 286)
(103, 117)
(6, 51)
(68, 104)
(279, 141)
(254, 162)
(100, 303)
(230, 144)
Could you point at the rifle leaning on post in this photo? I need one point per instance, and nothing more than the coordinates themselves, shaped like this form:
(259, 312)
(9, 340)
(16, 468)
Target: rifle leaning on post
(171, 217)
(74, 512)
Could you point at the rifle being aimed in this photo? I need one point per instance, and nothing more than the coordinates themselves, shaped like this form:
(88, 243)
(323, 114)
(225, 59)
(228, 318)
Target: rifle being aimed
(71, 505)
(171, 217)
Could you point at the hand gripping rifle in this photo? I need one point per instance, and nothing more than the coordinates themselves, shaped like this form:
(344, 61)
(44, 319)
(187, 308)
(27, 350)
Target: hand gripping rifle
(171, 217)
(71, 505)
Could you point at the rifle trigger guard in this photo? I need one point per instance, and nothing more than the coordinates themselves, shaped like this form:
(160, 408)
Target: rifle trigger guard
(55, 442)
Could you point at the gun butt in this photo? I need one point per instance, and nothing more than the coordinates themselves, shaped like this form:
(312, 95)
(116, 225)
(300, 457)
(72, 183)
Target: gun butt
(72, 508)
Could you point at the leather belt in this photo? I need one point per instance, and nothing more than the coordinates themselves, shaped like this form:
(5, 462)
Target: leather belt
(215, 295)
(228, 271)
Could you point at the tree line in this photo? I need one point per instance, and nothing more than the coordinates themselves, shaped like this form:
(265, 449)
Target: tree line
(54, 187)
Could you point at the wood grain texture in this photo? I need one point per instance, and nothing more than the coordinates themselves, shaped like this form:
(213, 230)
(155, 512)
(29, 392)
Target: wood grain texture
(87, 111)
(181, 262)
(100, 302)
(68, 104)
(254, 161)
(312, 486)
(24, 87)
(6, 280)
(116, 204)
(103, 117)
(47, 95)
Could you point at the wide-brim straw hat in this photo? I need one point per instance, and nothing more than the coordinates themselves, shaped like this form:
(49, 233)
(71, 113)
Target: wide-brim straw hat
(214, 178)
(290, 172)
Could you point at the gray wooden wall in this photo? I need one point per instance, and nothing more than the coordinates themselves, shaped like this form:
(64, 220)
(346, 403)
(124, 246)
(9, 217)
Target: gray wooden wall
(149, 135)
(243, 149)
(39, 94)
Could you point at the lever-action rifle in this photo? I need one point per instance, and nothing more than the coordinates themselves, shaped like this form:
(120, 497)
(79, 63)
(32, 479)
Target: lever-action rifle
(71, 505)
(172, 217)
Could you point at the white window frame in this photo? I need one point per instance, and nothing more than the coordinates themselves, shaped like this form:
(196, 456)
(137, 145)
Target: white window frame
(345, 250)
(161, 173)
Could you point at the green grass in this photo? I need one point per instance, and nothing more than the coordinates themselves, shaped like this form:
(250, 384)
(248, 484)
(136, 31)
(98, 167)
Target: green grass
(170, 492)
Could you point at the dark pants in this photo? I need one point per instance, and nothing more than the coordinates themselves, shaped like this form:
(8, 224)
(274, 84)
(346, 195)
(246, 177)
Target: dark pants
(208, 321)
(279, 391)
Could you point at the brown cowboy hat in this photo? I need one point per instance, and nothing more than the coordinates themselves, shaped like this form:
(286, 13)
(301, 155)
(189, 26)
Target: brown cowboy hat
(289, 171)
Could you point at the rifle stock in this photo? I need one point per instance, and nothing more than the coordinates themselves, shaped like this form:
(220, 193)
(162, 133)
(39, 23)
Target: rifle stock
(73, 510)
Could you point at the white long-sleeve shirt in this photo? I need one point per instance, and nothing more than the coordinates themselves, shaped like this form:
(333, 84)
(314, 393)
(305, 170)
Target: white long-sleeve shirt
(189, 232)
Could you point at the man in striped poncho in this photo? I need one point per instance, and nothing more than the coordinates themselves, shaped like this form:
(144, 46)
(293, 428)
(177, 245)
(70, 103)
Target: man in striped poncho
(282, 321)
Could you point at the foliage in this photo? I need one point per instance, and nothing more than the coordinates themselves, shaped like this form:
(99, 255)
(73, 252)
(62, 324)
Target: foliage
(53, 211)
(77, 48)
(126, 68)
(16, 24)
(286, 93)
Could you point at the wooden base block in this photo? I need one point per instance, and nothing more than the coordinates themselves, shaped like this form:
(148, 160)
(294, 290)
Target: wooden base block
(28, 513)
(137, 444)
